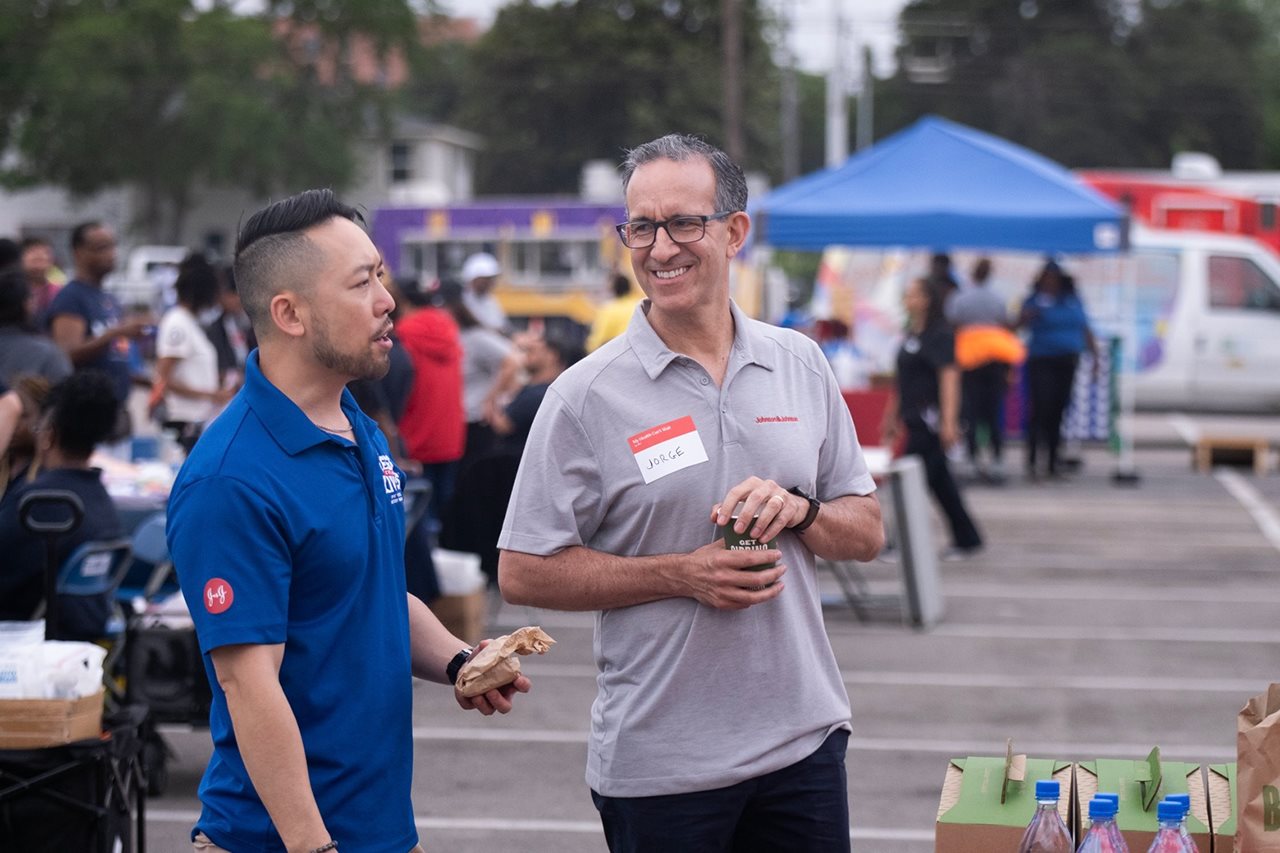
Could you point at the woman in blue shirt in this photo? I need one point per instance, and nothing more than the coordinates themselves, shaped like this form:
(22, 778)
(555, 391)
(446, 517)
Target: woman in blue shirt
(1059, 332)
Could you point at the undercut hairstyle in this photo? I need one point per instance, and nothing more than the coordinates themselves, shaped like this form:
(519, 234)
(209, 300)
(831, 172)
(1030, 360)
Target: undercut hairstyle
(567, 351)
(197, 283)
(731, 183)
(80, 234)
(14, 292)
(273, 253)
(82, 411)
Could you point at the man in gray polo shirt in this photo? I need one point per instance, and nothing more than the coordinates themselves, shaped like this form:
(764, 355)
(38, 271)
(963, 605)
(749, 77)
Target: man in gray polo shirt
(721, 718)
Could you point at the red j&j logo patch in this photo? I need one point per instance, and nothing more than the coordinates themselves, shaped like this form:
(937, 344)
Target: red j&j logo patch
(218, 596)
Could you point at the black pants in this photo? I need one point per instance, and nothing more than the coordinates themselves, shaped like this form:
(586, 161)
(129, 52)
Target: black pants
(924, 442)
(983, 390)
(803, 808)
(1049, 381)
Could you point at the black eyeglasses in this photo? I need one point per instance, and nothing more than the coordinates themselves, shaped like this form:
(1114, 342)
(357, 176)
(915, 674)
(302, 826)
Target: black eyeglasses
(642, 233)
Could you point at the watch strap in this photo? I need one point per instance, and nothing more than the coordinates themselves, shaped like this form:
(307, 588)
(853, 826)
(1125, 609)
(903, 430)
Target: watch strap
(811, 515)
(456, 664)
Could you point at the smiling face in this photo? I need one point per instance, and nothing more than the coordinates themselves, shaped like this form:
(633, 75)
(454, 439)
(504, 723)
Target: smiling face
(681, 278)
(347, 304)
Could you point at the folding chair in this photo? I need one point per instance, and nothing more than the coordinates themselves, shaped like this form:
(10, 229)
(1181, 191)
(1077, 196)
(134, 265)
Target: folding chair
(151, 567)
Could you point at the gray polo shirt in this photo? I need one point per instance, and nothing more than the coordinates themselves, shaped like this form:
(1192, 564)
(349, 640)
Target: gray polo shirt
(977, 306)
(630, 450)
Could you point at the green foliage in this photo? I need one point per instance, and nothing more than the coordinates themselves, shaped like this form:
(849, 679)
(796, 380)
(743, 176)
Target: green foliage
(1092, 83)
(165, 97)
(554, 86)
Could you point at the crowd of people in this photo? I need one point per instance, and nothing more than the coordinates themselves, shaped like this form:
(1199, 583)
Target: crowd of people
(306, 386)
(952, 377)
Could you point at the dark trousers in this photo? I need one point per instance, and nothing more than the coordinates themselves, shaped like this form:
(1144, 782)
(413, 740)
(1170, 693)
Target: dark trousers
(924, 442)
(803, 808)
(1049, 381)
(983, 390)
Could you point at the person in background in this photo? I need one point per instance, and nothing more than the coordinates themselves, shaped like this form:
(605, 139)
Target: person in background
(614, 316)
(490, 372)
(37, 265)
(231, 333)
(637, 454)
(942, 275)
(1059, 332)
(89, 324)
(11, 414)
(22, 349)
(186, 360)
(479, 276)
(78, 414)
(433, 426)
(10, 253)
(545, 358)
(286, 526)
(927, 404)
(980, 316)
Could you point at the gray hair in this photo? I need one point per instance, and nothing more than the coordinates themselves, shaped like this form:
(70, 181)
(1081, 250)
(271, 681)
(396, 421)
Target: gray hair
(731, 183)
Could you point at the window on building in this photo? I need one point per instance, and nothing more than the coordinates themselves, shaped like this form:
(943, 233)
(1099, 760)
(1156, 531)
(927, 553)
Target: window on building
(401, 163)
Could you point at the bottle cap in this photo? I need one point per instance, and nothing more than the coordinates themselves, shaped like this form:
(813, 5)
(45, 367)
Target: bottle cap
(1183, 800)
(1169, 810)
(1115, 798)
(1047, 789)
(1101, 808)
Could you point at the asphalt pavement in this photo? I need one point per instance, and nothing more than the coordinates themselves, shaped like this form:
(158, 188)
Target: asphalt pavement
(1101, 620)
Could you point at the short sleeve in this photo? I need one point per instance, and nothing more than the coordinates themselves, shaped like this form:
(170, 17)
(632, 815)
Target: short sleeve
(230, 548)
(173, 337)
(556, 501)
(939, 348)
(67, 302)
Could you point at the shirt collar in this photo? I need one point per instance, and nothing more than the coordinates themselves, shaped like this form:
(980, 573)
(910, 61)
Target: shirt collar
(282, 418)
(655, 355)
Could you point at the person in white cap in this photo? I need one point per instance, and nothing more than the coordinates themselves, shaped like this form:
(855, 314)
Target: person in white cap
(480, 273)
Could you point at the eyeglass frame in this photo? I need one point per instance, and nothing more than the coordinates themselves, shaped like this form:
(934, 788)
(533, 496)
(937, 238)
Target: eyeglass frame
(663, 223)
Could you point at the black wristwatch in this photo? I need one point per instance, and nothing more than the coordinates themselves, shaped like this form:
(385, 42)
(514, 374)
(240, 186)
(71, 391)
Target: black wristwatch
(456, 664)
(814, 505)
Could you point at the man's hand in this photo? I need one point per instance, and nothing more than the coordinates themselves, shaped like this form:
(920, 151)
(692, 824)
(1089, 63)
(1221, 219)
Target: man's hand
(722, 579)
(499, 698)
(134, 327)
(777, 508)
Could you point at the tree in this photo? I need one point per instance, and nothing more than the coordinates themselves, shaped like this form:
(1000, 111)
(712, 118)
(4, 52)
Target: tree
(155, 94)
(1087, 82)
(553, 87)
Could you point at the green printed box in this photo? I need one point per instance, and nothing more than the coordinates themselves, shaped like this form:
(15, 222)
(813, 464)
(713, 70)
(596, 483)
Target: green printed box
(1141, 785)
(1222, 806)
(987, 803)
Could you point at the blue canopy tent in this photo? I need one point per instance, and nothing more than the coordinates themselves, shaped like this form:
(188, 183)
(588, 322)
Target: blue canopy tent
(938, 184)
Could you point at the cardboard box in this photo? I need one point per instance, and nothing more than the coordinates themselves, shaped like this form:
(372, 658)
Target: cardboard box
(1141, 785)
(463, 615)
(37, 723)
(987, 803)
(1222, 806)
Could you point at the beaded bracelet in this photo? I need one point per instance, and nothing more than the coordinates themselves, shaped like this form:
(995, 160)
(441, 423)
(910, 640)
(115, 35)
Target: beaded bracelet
(332, 845)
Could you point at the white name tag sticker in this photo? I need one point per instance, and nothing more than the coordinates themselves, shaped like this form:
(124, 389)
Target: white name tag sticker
(667, 448)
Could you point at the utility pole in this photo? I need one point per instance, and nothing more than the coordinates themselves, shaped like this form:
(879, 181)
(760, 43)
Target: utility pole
(866, 103)
(731, 19)
(837, 101)
(789, 120)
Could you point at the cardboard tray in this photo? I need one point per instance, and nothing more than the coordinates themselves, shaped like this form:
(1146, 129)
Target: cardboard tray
(37, 723)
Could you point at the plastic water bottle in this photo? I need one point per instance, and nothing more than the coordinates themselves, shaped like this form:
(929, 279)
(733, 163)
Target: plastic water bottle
(1046, 833)
(1168, 838)
(1183, 800)
(1117, 837)
(1102, 836)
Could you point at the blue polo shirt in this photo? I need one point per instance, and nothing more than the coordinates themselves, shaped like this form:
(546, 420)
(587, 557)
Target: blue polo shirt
(282, 533)
(1057, 326)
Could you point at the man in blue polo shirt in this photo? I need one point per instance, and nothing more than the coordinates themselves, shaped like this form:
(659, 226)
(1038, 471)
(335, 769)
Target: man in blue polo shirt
(286, 526)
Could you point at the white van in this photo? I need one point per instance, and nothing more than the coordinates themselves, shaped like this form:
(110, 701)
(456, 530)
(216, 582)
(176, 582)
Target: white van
(1203, 308)
(1206, 318)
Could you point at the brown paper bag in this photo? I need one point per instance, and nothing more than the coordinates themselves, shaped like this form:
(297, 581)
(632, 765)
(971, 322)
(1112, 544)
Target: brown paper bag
(1258, 774)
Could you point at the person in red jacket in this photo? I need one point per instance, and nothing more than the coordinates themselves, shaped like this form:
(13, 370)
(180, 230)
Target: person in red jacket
(433, 427)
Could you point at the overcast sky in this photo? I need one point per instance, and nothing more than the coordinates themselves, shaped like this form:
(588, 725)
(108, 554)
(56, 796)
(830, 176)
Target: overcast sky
(813, 27)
